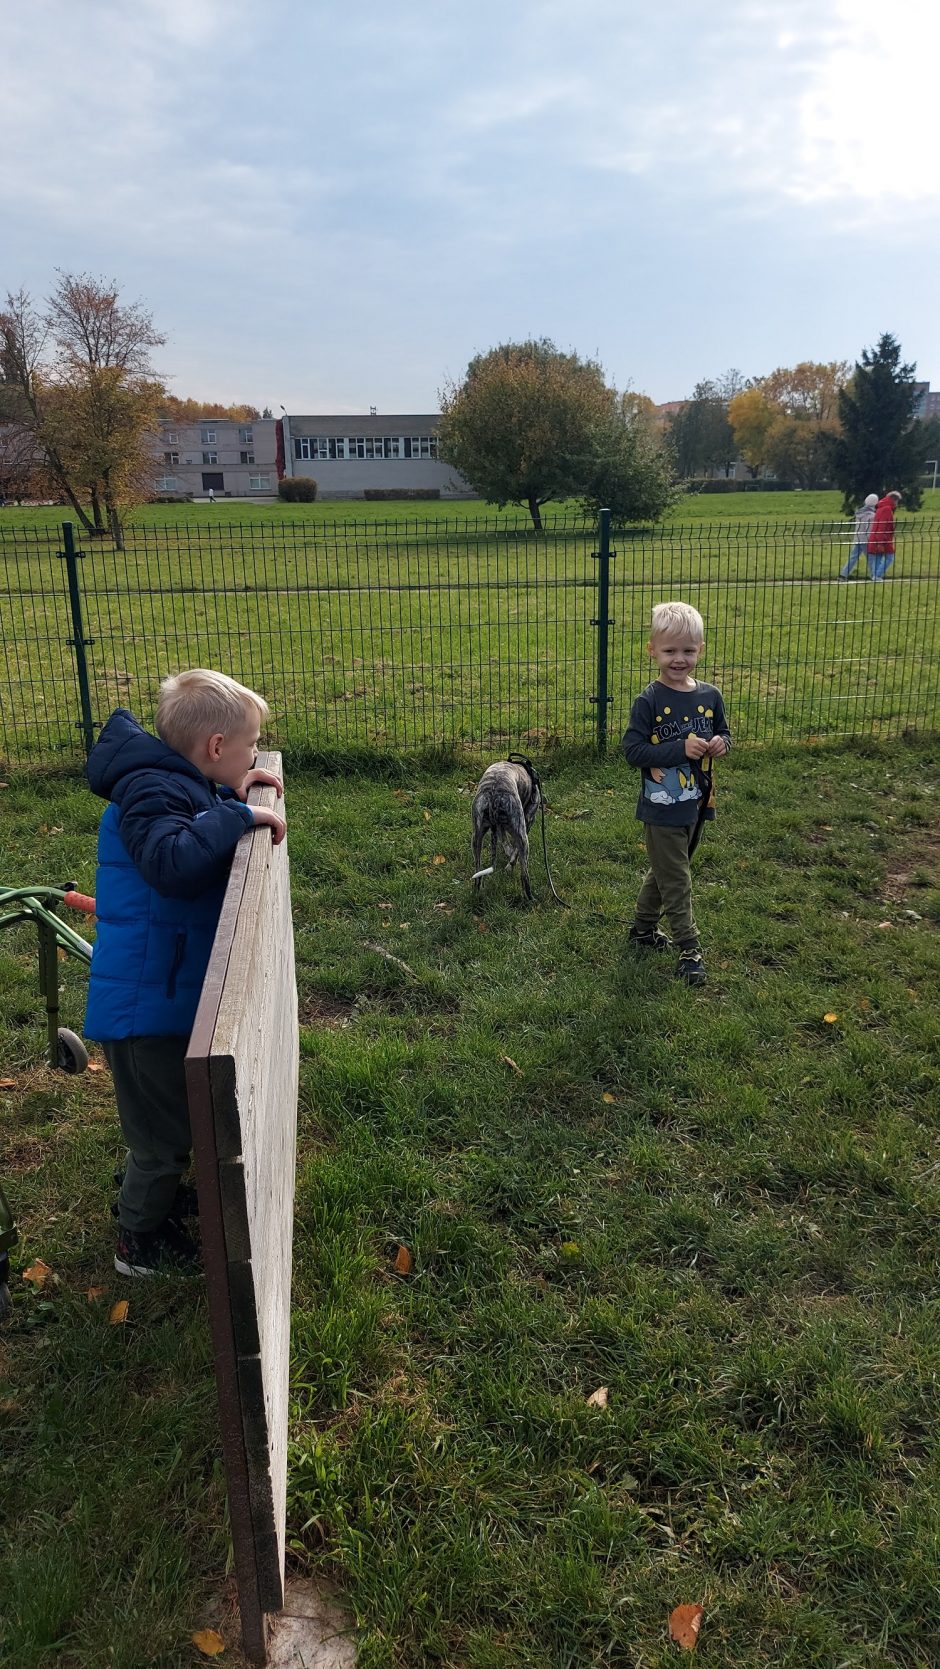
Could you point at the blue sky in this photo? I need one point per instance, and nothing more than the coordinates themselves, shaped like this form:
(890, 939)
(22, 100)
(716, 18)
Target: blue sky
(333, 206)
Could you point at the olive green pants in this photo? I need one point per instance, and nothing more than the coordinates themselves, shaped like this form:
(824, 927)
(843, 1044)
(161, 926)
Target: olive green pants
(150, 1091)
(667, 884)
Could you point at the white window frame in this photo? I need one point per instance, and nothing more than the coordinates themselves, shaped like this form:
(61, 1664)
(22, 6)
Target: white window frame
(259, 483)
(245, 437)
(209, 437)
(246, 457)
(211, 457)
(171, 437)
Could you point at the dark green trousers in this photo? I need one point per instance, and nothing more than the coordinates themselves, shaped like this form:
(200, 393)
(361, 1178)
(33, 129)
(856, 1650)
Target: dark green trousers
(667, 884)
(150, 1090)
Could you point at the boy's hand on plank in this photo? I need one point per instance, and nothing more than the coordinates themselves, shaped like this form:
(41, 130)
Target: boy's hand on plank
(270, 820)
(696, 747)
(267, 779)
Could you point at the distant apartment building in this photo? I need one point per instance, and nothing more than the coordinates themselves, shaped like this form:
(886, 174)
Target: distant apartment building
(234, 460)
(348, 456)
(926, 401)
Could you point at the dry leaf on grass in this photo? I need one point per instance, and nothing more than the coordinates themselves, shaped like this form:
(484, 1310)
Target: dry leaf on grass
(94, 1293)
(885, 924)
(404, 1262)
(118, 1312)
(507, 1060)
(427, 817)
(209, 1642)
(610, 1099)
(830, 1019)
(38, 1273)
(7, 1083)
(599, 1398)
(438, 858)
(482, 926)
(684, 1625)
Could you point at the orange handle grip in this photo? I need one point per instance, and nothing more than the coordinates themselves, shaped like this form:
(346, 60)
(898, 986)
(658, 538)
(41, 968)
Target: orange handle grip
(79, 901)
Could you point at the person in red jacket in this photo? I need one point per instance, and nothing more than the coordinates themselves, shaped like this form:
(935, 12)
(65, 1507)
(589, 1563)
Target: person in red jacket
(881, 537)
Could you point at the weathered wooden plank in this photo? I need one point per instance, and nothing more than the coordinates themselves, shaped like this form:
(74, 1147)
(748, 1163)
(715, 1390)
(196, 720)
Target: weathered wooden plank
(245, 1049)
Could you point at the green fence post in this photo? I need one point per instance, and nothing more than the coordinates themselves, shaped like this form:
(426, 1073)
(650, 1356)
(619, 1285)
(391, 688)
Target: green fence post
(603, 622)
(78, 641)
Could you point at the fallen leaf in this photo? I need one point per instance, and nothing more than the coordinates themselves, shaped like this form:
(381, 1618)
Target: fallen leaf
(385, 906)
(599, 1398)
(570, 1249)
(438, 858)
(7, 1083)
(830, 1019)
(427, 817)
(885, 924)
(482, 926)
(208, 1642)
(684, 1625)
(8, 1408)
(118, 1312)
(404, 1262)
(865, 1004)
(4, 785)
(94, 1293)
(95, 1066)
(401, 794)
(507, 1060)
(38, 1272)
(610, 1099)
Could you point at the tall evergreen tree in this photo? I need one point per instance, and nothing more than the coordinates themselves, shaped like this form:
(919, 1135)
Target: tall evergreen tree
(882, 444)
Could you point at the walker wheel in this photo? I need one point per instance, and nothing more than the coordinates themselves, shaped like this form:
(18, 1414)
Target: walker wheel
(72, 1054)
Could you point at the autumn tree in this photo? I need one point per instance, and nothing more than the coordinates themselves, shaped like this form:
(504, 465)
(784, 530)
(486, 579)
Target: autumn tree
(87, 395)
(530, 423)
(785, 422)
(700, 433)
(176, 410)
(631, 471)
(882, 444)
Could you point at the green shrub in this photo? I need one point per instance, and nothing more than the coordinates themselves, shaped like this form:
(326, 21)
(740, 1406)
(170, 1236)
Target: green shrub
(171, 498)
(297, 489)
(391, 493)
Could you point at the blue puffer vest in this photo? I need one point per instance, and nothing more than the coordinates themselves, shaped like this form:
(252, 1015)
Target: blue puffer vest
(164, 853)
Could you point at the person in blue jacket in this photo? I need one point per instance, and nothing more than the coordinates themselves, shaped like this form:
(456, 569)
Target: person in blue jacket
(165, 848)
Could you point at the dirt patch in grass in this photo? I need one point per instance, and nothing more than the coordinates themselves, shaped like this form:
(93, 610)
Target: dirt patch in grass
(924, 857)
(331, 1013)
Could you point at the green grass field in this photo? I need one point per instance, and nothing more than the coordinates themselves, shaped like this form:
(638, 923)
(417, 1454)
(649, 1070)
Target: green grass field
(699, 507)
(392, 633)
(722, 1206)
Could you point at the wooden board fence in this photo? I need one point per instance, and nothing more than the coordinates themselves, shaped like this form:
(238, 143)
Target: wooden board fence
(241, 1072)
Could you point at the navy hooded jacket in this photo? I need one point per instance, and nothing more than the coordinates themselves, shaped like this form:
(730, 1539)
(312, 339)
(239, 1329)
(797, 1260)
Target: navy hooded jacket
(165, 849)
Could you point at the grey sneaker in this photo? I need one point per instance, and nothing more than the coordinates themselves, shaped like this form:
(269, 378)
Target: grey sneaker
(167, 1250)
(691, 967)
(648, 938)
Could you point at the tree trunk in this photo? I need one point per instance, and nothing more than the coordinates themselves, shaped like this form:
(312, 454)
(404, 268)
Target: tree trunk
(96, 511)
(535, 511)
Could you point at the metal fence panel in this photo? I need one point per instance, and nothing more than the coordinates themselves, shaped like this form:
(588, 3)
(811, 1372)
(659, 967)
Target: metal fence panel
(403, 634)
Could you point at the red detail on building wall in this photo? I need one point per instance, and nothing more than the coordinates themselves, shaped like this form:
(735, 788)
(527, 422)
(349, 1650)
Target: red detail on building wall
(279, 454)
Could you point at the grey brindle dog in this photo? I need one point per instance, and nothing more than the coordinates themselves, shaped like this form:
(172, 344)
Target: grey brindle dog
(504, 807)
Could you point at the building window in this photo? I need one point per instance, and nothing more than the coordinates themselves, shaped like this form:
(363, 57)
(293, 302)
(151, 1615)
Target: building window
(420, 446)
(209, 437)
(392, 446)
(259, 483)
(167, 484)
(304, 446)
(171, 437)
(171, 457)
(210, 457)
(245, 437)
(246, 457)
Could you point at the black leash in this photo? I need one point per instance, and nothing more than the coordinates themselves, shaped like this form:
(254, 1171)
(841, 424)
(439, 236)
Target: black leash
(520, 759)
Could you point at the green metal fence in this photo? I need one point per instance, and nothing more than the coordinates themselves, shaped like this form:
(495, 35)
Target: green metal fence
(403, 634)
